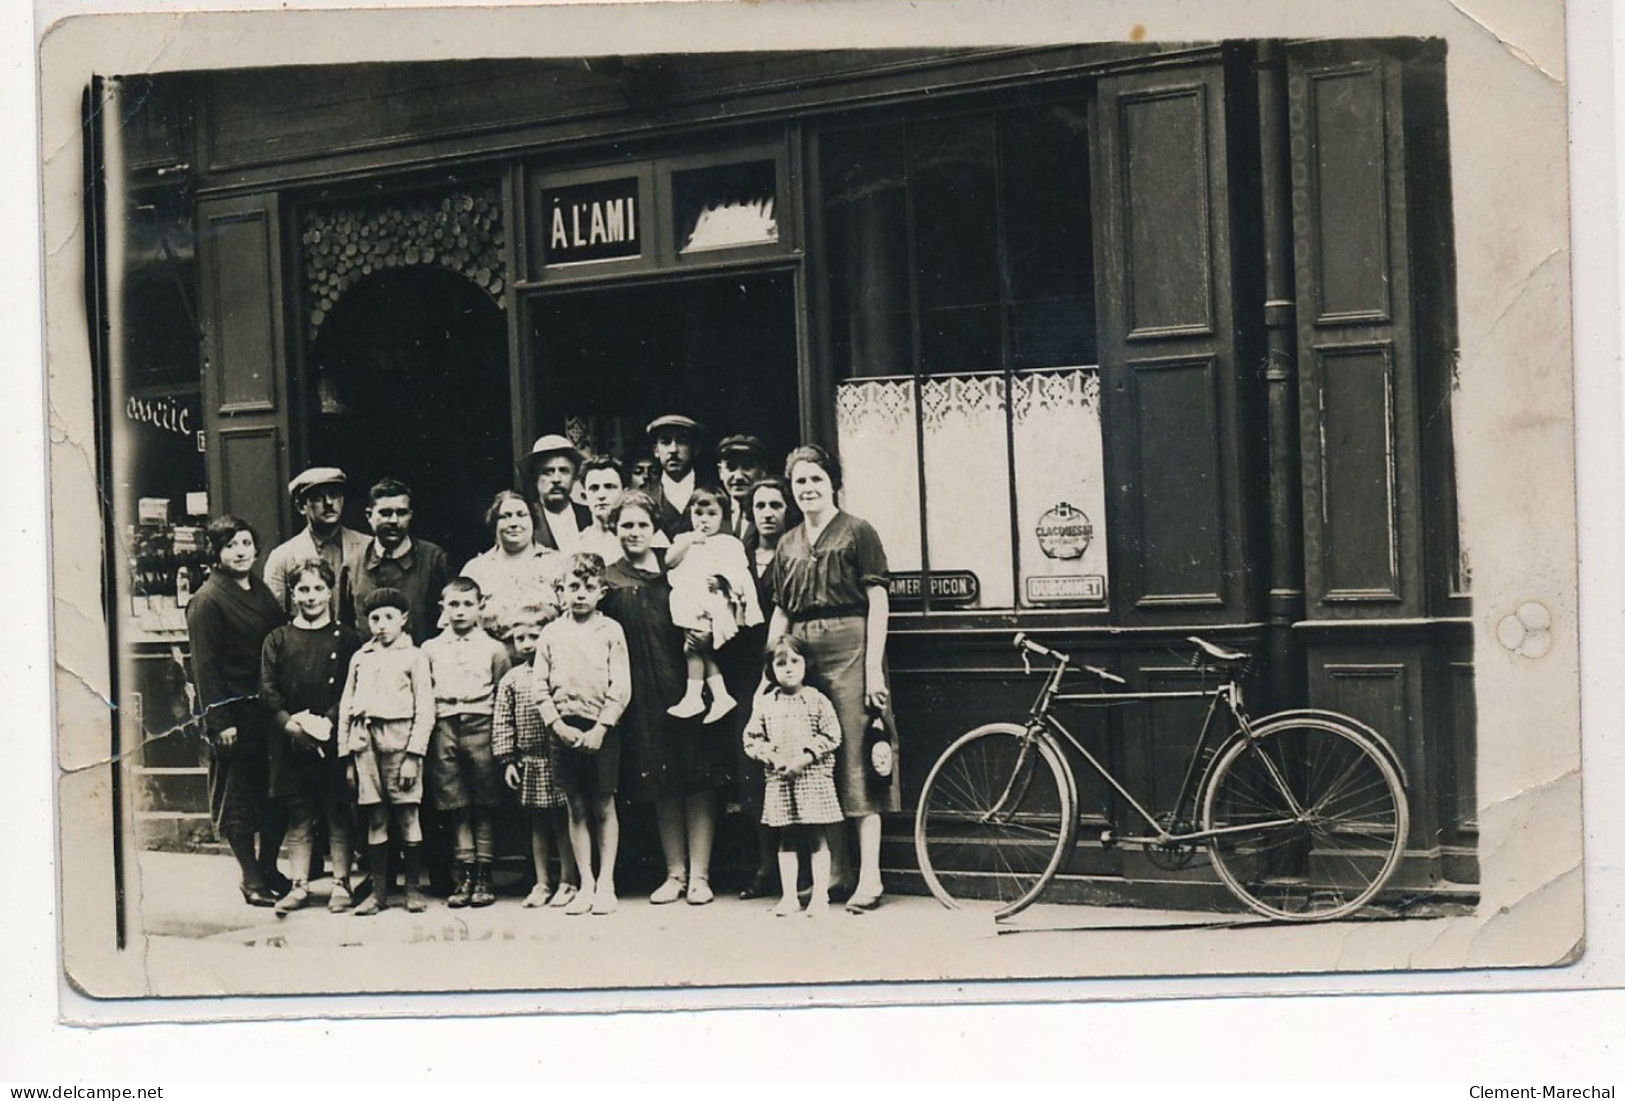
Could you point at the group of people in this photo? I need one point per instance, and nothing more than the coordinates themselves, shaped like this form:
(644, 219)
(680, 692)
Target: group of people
(653, 639)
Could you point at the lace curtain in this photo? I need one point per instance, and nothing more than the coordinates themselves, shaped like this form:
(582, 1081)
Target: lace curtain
(1058, 513)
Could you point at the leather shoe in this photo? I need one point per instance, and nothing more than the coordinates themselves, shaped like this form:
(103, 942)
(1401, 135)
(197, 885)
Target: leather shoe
(760, 886)
(842, 889)
(257, 896)
(864, 903)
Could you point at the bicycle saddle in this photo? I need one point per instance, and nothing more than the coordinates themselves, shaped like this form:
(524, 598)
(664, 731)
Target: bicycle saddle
(1218, 655)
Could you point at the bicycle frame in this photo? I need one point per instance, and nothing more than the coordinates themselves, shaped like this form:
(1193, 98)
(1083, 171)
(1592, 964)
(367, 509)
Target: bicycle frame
(1227, 694)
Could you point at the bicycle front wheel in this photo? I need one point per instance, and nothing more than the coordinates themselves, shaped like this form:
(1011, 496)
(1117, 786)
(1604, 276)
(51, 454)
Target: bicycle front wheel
(996, 817)
(1311, 815)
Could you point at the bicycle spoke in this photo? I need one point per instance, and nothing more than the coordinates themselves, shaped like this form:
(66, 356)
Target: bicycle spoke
(1331, 859)
(994, 817)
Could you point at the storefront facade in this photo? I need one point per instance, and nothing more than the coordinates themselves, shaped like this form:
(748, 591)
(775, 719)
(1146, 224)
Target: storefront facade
(1118, 344)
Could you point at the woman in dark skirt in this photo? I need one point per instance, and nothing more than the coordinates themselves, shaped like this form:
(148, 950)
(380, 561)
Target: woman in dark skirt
(771, 514)
(829, 583)
(226, 624)
(675, 763)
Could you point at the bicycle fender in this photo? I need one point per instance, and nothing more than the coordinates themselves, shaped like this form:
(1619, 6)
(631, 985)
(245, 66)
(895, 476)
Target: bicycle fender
(1322, 714)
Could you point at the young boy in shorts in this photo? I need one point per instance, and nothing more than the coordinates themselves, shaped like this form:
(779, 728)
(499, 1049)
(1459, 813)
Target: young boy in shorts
(386, 714)
(582, 682)
(467, 665)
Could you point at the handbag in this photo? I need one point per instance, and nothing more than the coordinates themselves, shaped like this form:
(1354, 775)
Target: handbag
(879, 749)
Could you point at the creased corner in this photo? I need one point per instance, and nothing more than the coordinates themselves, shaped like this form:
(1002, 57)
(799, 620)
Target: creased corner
(1518, 52)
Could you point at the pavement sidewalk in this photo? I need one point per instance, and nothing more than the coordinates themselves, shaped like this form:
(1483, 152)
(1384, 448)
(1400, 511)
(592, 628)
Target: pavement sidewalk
(201, 938)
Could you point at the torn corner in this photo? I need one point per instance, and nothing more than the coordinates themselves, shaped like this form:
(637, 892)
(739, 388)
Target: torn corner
(1518, 52)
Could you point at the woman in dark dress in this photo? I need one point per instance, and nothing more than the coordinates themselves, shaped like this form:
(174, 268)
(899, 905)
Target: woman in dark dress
(675, 763)
(226, 623)
(829, 585)
(771, 515)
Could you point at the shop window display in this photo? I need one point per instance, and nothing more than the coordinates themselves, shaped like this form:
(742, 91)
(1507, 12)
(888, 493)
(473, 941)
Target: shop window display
(962, 295)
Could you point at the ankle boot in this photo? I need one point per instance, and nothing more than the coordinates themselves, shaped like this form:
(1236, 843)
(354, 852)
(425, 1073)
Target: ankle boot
(482, 895)
(415, 902)
(461, 893)
(378, 869)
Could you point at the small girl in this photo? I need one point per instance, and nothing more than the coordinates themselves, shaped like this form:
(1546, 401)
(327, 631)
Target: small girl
(302, 666)
(713, 595)
(794, 732)
(522, 742)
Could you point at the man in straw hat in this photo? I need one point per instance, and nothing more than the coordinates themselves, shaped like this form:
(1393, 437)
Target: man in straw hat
(550, 471)
(318, 496)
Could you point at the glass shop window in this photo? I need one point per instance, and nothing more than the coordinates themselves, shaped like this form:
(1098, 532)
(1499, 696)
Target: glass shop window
(961, 286)
(725, 206)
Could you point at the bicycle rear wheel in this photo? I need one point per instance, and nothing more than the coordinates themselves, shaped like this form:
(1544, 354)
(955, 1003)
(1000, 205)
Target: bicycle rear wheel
(996, 817)
(1316, 818)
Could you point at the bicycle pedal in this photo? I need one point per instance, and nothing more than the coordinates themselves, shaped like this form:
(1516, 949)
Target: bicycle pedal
(1108, 838)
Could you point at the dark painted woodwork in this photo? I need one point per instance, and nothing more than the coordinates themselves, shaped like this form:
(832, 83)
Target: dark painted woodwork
(266, 126)
(1413, 685)
(1176, 473)
(1354, 458)
(156, 125)
(1170, 263)
(1349, 178)
(1432, 255)
(245, 384)
(1169, 348)
(1285, 601)
(1359, 417)
(243, 456)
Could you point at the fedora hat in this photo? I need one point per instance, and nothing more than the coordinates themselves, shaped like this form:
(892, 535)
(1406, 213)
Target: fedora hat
(550, 444)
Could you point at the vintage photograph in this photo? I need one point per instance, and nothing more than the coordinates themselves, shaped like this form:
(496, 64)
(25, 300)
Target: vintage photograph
(745, 515)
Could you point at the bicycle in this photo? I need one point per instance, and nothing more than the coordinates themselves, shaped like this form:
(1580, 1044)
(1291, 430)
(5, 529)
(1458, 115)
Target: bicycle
(1302, 812)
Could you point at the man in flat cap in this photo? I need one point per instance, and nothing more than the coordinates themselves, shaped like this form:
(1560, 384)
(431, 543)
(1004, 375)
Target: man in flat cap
(741, 463)
(318, 496)
(550, 470)
(672, 438)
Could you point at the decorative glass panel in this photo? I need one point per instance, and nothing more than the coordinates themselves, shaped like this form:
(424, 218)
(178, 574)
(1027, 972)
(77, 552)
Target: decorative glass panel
(726, 206)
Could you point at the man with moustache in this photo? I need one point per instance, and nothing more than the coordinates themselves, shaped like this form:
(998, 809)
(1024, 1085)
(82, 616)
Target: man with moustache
(741, 463)
(672, 439)
(551, 470)
(395, 560)
(318, 496)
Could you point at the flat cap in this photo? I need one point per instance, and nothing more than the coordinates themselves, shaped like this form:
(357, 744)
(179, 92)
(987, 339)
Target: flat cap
(742, 445)
(385, 597)
(315, 476)
(672, 420)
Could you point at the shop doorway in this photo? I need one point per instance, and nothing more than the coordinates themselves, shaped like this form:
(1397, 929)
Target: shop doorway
(722, 350)
(409, 379)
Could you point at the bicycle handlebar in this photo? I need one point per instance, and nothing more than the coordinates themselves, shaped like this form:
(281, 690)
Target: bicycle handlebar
(1022, 642)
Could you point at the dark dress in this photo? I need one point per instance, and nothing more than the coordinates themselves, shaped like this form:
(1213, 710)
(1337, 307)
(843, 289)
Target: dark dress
(741, 665)
(226, 626)
(822, 588)
(661, 757)
(305, 670)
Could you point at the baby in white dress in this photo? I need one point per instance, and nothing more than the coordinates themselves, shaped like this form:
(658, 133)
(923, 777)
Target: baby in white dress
(712, 595)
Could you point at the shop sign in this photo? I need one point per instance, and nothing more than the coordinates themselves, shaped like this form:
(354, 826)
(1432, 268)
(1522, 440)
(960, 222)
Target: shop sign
(949, 588)
(167, 414)
(1064, 532)
(1088, 588)
(592, 221)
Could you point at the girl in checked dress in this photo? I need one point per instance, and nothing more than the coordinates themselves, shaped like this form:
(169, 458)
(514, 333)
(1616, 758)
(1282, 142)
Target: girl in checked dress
(521, 742)
(793, 731)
